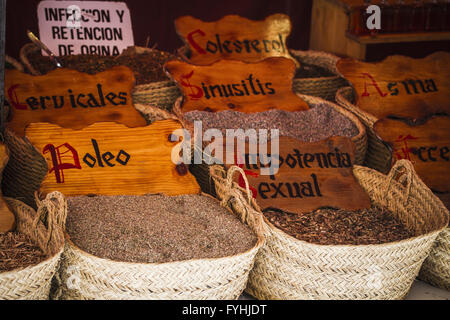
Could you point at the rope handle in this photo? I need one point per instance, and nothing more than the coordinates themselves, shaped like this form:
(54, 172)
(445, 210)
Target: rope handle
(403, 172)
(249, 210)
(52, 211)
(230, 179)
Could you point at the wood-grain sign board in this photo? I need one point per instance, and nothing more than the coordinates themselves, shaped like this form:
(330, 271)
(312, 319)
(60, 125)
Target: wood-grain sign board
(426, 145)
(401, 86)
(310, 175)
(236, 85)
(71, 99)
(111, 159)
(235, 37)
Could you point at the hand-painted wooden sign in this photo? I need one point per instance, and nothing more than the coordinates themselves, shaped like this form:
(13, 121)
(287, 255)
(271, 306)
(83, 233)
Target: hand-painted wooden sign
(109, 158)
(7, 219)
(71, 99)
(401, 86)
(236, 85)
(427, 146)
(310, 175)
(234, 37)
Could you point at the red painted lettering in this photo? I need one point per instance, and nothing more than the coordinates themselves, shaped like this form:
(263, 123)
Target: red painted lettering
(57, 157)
(373, 83)
(13, 98)
(196, 92)
(404, 153)
(195, 44)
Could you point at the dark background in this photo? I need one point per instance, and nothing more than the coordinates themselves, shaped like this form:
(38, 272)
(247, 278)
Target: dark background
(155, 19)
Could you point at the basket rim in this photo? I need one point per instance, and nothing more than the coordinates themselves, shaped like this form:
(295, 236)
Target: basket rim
(316, 79)
(31, 268)
(355, 108)
(259, 243)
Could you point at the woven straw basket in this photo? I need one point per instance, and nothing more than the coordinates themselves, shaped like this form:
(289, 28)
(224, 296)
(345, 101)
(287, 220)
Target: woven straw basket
(324, 87)
(84, 276)
(287, 268)
(379, 155)
(34, 282)
(436, 268)
(202, 173)
(25, 170)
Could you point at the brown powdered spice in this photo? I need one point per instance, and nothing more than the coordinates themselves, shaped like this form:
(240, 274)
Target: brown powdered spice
(155, 228)
(329, 226)
(147, 67)
(318, 123)
(17, 251)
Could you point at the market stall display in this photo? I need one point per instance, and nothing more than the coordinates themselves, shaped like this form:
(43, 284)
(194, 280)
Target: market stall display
(222, 168)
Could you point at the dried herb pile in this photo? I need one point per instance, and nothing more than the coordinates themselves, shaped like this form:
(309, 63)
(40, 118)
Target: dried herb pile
(17, 251)
(147, 67)
(317, 123)
(155, 228)
(328, 226)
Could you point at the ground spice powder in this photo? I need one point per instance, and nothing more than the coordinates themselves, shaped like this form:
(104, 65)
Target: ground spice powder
(17, 251)
(330, 226)
(155, 228)
(318, 123)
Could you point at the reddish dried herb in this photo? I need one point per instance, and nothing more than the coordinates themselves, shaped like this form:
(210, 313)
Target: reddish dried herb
(17, 251)
(329, 226)
(147, 67)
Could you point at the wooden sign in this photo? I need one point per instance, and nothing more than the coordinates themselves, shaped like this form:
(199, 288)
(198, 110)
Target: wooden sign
(310, 176)
(111, 159)
(234, 37)
(401, 86)
(7, 219)
(236, 85)
(71, 99)
(426, 145)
